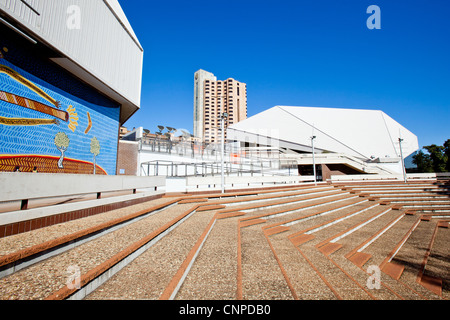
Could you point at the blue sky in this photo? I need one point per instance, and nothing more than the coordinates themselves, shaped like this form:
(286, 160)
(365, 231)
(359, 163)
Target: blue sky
(298, 53)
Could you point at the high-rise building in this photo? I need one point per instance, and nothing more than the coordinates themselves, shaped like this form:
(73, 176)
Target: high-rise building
(213, 97)
(199, 108)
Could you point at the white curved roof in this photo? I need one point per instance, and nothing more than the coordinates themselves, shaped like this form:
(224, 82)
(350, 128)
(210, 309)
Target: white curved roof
(359, 133)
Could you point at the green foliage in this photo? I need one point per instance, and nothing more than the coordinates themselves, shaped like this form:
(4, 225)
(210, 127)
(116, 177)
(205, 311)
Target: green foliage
(437, 157)
(435, 160)
(423, 162)
(447, 154)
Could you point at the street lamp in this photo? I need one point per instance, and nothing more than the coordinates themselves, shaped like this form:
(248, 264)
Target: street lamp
(222, 118)
(314, 160)
(400, 140)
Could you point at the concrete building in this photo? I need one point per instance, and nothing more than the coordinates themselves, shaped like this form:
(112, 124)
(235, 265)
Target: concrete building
(70, 76)
(199, 100)
(211, 99)
(346, 141)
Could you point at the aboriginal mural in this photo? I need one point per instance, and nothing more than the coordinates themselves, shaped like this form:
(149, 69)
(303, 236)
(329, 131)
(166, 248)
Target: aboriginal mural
(43, 128)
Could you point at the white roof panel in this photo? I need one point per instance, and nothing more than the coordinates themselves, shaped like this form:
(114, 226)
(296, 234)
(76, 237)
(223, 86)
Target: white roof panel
(360, 133)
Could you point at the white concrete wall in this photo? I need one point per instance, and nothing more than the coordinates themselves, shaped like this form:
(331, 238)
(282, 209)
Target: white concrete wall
(18, 186)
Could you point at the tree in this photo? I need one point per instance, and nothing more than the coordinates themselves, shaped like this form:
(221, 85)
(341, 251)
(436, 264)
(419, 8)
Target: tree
(95, 150)
(62, 142)
(447, 154)
(423, 162)
(437, 157)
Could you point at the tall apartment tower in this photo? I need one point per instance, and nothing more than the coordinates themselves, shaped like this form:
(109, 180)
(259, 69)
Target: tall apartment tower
(211, 99)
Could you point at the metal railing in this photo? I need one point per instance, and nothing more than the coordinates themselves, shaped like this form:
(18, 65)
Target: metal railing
(204, 169)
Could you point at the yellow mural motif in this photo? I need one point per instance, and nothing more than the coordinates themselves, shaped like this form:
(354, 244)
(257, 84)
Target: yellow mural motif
(73, 118)
(28, 103)
(30, 85)
(26, 122)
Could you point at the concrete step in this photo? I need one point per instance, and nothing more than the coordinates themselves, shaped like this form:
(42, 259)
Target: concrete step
(92, 258)
(213, 274)
(262, 277)
(437, 266)
(21, 251)
(284, 243)
(344, 285)
(311, 240)
(272, 204)
(411, 254)
(147, 277)
(306, 281)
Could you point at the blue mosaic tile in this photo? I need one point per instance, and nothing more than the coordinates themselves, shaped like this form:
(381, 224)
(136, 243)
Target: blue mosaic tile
(39, 139)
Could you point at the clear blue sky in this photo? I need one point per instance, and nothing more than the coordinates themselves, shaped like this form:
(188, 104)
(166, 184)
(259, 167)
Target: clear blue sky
(299, 53)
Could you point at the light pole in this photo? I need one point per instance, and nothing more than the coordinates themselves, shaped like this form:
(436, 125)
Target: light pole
(223, 117)
(314, 160)
(400, 140)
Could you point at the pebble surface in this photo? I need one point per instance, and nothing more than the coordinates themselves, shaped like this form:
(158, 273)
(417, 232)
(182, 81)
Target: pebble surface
(214, 273)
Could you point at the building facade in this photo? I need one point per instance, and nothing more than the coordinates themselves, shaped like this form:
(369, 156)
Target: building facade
(214, 97)
(346, 141)
(70, 76)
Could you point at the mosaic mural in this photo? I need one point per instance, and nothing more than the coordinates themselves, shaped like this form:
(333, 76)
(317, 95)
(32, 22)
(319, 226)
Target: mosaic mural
(45, 129)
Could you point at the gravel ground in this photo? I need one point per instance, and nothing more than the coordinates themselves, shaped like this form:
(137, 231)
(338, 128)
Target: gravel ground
(41, 279)
(148, 275)
(439, 260)
(412, 253)
(355, 239)
(261, 275)
(319, 219)
(345, 287)
(325, 292)
(305, 281)
(25, 240)
(214, 273)
(383, 246)
(263, 210)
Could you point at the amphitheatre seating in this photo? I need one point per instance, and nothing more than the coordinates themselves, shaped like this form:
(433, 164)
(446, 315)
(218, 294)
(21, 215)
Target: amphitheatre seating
(366, 240)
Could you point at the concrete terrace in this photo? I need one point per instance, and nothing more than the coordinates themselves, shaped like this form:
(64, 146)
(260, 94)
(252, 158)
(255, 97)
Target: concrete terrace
(324, 242)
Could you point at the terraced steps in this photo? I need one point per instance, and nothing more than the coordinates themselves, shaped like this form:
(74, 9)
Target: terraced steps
(305, 242)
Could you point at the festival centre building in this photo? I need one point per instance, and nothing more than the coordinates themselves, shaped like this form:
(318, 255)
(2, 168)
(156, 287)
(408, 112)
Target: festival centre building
(70, 76)
(346, 141)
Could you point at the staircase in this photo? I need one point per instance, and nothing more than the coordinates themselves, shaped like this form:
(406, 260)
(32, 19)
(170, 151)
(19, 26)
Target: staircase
(364, 241)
